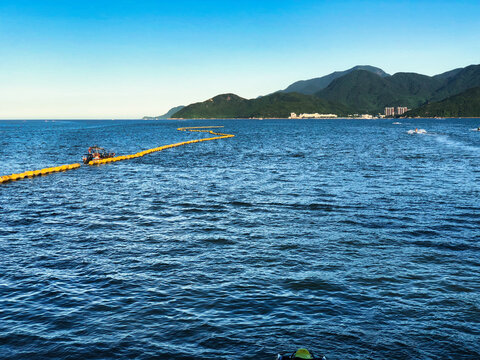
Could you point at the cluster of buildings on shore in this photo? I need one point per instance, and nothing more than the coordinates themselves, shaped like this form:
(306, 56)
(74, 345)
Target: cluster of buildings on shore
(312, 116)
(328, 116)
(389, 112)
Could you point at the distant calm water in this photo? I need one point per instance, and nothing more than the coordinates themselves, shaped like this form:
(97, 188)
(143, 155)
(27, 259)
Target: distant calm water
(352, 238)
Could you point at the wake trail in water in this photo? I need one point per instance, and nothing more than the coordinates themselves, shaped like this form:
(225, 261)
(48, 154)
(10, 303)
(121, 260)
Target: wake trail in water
(446, 140)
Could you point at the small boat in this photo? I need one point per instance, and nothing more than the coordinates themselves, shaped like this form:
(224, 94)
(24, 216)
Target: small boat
(417, 131)
(96, 153)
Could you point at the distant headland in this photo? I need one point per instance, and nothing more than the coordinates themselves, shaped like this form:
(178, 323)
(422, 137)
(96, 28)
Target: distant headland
(362, 91)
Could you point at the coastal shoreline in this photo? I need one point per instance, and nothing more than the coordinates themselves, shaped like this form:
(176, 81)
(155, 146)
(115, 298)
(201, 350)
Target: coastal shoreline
(336, 118)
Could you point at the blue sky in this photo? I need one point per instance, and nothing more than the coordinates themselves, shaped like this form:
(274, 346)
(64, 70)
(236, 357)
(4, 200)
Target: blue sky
(126, 59)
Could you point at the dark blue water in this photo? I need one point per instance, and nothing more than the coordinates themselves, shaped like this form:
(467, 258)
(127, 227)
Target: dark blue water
(349, 237)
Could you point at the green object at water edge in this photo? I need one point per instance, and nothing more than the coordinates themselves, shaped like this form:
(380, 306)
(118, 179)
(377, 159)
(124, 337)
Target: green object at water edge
(303, 354)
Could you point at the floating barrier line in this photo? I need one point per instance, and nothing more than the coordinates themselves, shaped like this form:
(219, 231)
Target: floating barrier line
(160, 148)
(50, 170)
(33, 173)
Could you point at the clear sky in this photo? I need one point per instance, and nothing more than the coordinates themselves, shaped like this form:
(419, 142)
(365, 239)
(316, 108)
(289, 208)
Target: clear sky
(130, 58)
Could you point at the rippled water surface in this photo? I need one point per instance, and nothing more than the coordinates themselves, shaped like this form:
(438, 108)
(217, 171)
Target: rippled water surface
(349, 237)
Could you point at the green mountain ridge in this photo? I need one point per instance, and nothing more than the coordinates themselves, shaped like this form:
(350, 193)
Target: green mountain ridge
(370, 93)
(464, 79)
(311, 86)
(448, 74)
(465, 104)
(278, 105)
(357, 91)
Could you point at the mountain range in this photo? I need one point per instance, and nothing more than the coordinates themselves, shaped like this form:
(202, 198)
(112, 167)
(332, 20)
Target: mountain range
(361, 89)
(465, 104)
(310, 87)
(278, 105)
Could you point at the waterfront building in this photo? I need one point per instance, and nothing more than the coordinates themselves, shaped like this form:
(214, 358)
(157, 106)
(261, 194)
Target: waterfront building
(389, 111)
(401, 110)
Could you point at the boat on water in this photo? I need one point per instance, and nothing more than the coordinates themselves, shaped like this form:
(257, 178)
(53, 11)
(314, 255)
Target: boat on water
(96, 153)
(417, 131)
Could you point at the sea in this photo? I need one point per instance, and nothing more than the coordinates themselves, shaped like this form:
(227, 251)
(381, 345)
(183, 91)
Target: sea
(352, 238)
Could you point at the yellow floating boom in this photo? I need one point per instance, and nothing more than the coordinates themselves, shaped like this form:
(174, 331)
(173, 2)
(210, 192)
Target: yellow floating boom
(33, 173)
(160, 148)
(29, 174)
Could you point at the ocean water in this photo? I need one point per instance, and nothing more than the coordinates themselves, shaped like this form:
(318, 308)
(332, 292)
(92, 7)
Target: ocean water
(352, 238)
